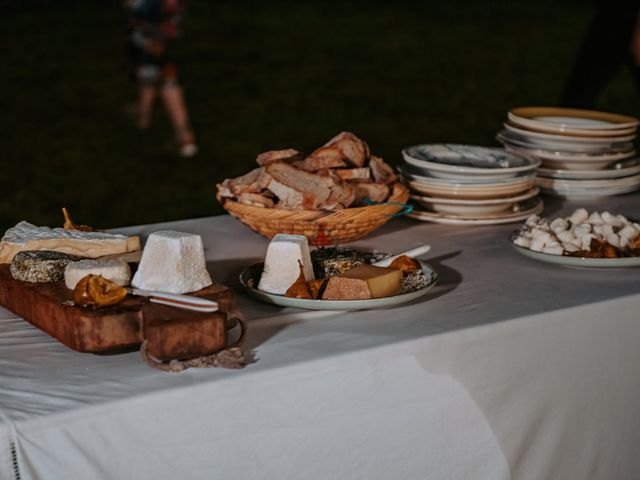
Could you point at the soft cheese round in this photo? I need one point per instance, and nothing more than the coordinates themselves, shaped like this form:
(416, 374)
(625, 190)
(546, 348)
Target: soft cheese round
(115, 270)
(40, 266)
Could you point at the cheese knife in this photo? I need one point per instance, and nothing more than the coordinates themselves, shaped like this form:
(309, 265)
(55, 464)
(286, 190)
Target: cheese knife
(414, 252)
(188, 302)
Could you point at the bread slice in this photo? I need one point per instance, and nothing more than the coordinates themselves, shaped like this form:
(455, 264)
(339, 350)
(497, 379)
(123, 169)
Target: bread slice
(342, 196)
(382, 173)
(254, 181)
(288, 155)
(355, 150)
(354, 174)
(376, 192)
(255, 199)
(287, 197)
(324, 157)
(25, 236)
(306, 190)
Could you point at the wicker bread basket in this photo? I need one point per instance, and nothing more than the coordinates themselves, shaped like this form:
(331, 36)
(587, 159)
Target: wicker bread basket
(320, 227)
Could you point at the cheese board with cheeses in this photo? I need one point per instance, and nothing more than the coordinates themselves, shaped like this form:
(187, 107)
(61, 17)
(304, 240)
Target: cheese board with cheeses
(76, 284)
(171, 333)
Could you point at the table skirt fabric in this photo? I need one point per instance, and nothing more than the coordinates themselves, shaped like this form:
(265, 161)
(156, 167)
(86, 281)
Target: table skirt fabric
(510, 369)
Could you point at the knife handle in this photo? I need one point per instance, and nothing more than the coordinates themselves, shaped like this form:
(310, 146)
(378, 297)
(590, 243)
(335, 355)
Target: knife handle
(414, 252)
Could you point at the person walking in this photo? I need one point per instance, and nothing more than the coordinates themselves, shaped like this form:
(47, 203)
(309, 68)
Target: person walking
(152, 28)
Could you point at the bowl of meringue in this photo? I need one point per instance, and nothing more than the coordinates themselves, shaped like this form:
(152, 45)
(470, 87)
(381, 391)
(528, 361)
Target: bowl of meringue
(596, 239)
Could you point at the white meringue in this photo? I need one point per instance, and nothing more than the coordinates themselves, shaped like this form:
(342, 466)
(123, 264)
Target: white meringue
(629, 232)
(579, 216)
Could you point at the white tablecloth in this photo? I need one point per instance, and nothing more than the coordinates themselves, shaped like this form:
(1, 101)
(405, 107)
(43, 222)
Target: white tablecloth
(510, 368)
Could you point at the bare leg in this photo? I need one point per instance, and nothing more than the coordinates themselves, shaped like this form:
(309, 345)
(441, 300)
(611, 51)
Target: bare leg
(146, 98)
(177, 110)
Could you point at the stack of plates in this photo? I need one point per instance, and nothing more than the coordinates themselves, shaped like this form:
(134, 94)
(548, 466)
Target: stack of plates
(584, 153)
(464, 184)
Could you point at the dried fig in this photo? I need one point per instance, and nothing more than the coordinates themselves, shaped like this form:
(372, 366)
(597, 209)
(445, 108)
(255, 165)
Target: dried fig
(96, 291)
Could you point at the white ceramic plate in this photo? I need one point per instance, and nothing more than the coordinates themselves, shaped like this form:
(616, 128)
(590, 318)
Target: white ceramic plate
(421, 175)
(571, 156)
(575, 192)
(588, 184)
(478, 191)
(467, 208)
(559, 130)
(563, 119)
(618, 170)
(588, 193)
(454, 161)
(250, 276)
(532, 136)
(566, 147)
(526, 209)
(579, 261)
(577, 162)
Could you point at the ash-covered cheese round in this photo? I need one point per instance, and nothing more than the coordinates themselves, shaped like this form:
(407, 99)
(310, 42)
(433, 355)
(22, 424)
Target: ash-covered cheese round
(40, 266)
(115, 270)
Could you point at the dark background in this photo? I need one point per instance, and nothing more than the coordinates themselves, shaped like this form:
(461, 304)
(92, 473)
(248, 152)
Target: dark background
(258, 76)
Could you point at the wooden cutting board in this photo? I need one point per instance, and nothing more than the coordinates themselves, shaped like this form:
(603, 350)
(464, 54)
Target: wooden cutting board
(171, 333)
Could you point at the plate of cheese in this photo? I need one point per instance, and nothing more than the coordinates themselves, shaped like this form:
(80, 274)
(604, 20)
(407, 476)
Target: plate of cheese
(334, 278)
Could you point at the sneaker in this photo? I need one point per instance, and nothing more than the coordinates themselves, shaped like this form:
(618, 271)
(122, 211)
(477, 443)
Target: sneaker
(188, 150)
(187, 141)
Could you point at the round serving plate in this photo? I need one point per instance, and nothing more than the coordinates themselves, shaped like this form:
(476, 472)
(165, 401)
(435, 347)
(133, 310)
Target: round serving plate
(455, 161)
(578, 132)
(574, 132)
(250, 277)
(421, 175)
(460, 207)
(473, 191)
(579, 162)
(534, 137)
(522, 211)
(572, 156)
(572, 148)
(567, 119)
(555, 183)
(617, 170)
(579, 261)
(588, 193)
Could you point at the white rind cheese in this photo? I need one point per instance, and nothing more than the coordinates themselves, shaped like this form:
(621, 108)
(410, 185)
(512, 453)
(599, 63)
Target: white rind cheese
(281, 268)
(25, 236)
(172, 262)
(115, 270)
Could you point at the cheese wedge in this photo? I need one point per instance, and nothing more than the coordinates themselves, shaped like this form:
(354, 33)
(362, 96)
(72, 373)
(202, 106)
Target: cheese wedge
(25, 236)
(364, 282)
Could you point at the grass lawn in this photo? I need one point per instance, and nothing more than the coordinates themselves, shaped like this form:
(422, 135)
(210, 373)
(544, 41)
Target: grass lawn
(261, 75)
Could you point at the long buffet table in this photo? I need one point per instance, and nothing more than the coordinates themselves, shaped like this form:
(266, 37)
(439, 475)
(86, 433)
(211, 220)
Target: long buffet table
(509, 368)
